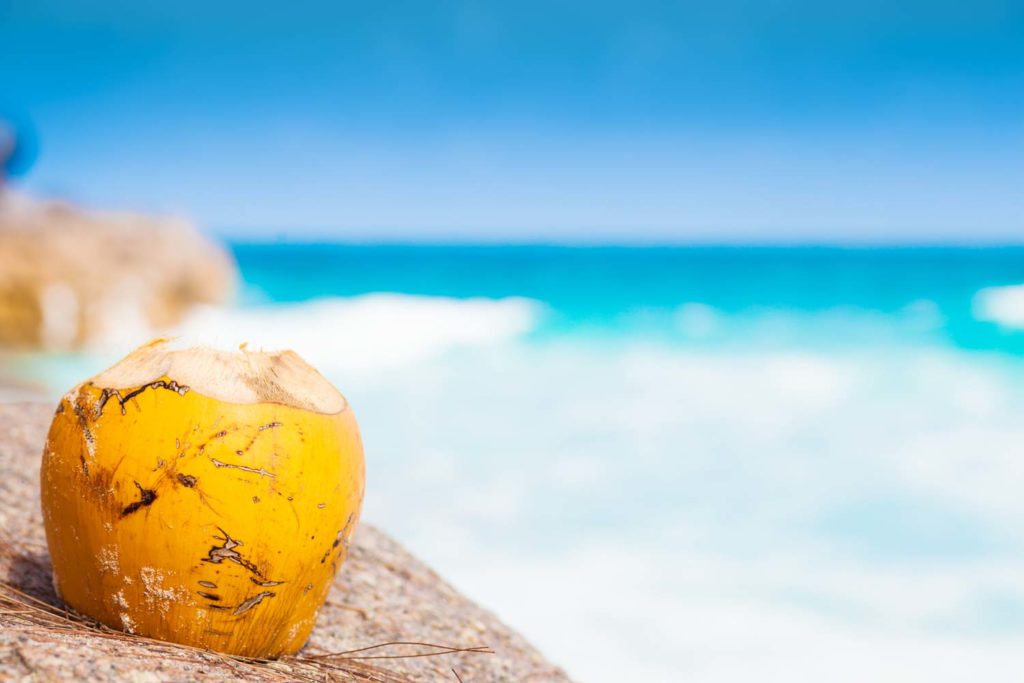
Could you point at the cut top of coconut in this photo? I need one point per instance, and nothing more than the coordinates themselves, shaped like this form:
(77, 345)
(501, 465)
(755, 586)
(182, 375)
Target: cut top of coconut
(241, 376)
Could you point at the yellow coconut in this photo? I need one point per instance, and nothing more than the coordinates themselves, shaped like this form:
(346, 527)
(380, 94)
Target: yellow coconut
(202, 497)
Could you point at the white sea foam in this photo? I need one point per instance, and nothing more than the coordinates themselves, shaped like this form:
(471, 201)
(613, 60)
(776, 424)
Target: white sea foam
(1001, 305)
(369, 332)
(659, 513)
(625, 611)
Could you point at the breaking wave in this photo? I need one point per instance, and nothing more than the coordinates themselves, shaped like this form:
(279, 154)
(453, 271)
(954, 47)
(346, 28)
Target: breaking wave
(369, 332)
(1001, 305)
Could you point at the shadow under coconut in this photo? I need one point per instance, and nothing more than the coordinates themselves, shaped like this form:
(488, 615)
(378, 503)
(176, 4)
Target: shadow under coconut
(29, 571)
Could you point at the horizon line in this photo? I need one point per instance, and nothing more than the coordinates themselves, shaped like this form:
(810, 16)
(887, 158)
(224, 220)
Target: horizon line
(838, 245)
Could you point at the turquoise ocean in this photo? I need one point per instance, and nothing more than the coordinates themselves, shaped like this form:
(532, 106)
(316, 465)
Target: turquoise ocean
(667, 464)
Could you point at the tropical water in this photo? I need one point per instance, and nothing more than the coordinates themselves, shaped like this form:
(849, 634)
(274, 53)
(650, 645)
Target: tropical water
(693, 464)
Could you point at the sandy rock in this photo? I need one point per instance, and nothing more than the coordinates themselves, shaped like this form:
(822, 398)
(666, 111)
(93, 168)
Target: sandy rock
(70, 278)
(382, 594)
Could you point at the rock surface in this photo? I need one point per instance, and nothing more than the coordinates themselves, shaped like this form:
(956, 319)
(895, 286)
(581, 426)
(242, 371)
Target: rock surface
(70, 278)
(381, 595)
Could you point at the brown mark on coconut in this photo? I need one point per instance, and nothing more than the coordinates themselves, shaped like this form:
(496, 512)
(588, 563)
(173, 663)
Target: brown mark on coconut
(189, 481)
(343, 535)
(259, 432)
(208, 596)
(219, 435)
(207, 584)
(107, 394)
(100, 484)
(252, 602)
(146, 498)
(262, 472)
(218, 554)
(85, 424)
(340, 539)
(265, 584)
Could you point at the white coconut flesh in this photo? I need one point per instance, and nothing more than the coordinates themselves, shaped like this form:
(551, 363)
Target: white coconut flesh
(240, 376)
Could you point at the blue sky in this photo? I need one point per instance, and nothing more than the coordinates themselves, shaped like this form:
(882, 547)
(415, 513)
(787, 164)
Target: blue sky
(643, 121)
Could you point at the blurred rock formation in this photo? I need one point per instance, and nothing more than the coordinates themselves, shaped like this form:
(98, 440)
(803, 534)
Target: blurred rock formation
(71, 278)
